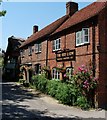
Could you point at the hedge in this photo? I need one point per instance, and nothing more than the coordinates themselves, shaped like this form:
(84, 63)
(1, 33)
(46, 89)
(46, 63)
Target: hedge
(66, 93)
(61, 91)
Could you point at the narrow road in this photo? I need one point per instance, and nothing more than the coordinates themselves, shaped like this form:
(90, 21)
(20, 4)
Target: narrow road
(21, 104)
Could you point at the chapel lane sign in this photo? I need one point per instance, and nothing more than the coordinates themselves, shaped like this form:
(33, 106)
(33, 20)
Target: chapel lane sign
(65, 55)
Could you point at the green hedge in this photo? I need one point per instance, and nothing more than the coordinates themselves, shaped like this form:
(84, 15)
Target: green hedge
(51, 87)
(40, 82)
(66, 93)
(61, 91)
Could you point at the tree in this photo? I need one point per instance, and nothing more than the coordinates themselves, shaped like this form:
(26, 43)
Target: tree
(3, 12)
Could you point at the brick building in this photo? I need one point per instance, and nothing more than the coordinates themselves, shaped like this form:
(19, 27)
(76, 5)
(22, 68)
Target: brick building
(77, 38)
(11, 59)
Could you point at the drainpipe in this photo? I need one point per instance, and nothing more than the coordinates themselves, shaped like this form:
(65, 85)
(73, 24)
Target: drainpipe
(47, 53)
(93, 49)
(65, 41)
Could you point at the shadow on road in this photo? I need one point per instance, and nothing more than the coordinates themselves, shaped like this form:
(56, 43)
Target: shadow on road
(13, 94)
(16, 93)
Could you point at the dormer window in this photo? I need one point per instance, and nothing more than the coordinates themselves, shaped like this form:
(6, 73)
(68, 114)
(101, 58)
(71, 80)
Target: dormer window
(82, 37)
(38, 48)
(56, 44)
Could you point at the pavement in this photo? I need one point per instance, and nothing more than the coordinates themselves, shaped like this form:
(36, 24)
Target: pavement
(25, 104)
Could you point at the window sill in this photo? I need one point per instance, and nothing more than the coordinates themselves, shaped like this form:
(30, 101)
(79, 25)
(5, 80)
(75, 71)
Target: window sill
(83, 44)
(56, 50)
(37, 52)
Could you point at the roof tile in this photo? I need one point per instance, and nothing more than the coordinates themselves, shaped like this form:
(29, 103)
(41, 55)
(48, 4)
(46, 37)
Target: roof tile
(82, 15)
(45, 31)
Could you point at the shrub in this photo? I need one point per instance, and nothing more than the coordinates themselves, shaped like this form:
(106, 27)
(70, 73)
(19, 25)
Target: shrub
(79, 90)
(82, 102)
(64, 94)
(86, 85)
(40, 82)
(21, 81)
(52, 86)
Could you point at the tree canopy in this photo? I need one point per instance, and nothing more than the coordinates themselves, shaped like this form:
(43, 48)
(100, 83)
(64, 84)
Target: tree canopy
(3, 12)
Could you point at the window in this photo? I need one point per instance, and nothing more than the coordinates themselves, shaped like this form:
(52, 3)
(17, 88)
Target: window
(38, 69)
(56, 44)
(37, 48)
(82, 37)
(30, 50)
(22, 53)
(69, 72)
(55, 74)
(86, 35)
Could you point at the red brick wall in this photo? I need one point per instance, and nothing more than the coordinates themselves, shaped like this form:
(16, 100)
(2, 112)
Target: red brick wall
(35, 58)
(83, 53)
(95, 51)
(102, 94)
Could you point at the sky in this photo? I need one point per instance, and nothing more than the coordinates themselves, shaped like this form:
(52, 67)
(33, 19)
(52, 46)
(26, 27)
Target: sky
(22, 16)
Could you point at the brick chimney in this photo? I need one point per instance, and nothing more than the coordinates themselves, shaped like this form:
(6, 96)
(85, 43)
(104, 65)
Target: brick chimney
(35, 29)
(71, 8)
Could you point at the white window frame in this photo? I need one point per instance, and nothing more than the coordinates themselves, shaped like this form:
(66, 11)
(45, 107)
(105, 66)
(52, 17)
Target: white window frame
(80, 37)
(70, 69)
(85, 35)
(56, 44)
(30, 50)
(38, 48)
(55, 74)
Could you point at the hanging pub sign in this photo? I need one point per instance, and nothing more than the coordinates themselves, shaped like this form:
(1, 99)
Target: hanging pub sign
(65, 55)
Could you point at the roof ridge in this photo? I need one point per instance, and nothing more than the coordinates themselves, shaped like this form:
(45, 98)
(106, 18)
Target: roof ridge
(55, 24)
(87, 12)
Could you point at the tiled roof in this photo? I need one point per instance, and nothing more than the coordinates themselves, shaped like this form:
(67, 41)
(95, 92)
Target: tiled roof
(82, 15)
(45, 31)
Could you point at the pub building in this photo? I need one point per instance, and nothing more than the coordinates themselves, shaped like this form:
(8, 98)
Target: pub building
(78, 38)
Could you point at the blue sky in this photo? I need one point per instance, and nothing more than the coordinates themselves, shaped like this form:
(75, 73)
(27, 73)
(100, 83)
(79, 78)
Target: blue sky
(21, 16)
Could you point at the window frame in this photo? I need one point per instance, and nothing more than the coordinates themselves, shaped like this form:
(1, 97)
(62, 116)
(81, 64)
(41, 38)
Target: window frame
(22, 53)
(56, 44)
(71, 69)
(81, 37)
(30, 50)
(38, 48)
(38, 71)
(55, 74)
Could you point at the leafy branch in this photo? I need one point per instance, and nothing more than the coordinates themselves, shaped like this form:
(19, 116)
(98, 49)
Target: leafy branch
(3, 12)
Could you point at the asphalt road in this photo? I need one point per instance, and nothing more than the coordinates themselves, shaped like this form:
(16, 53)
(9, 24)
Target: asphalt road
(21, 104)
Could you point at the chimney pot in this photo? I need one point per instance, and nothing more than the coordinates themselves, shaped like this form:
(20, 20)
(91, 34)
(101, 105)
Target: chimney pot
(71, 8)
(35, 29)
